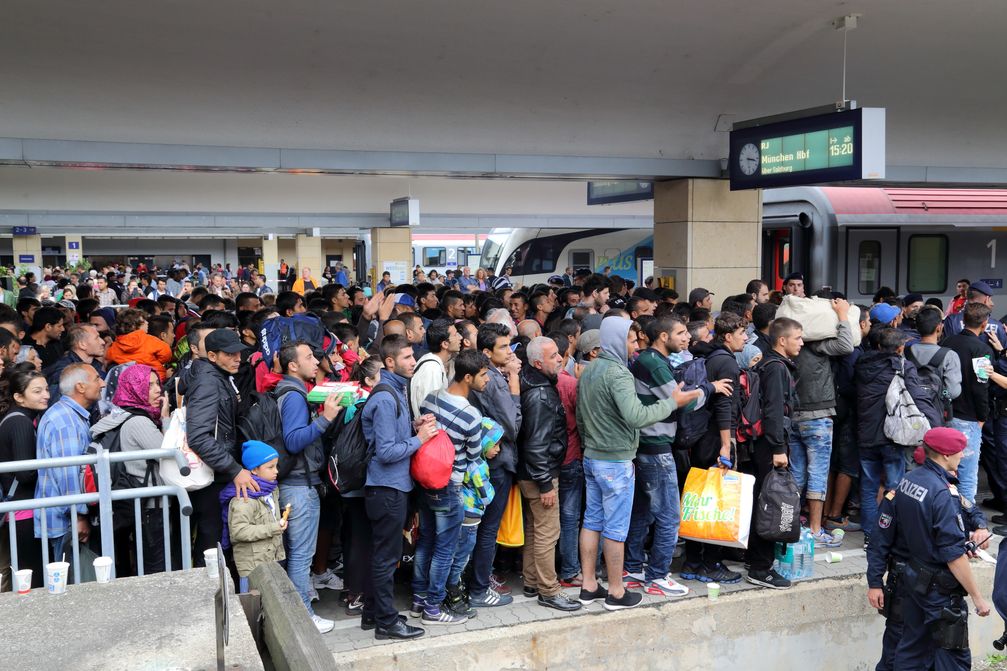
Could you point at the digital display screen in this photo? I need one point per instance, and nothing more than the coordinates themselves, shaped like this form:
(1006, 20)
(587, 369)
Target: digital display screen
(618, 191)
(821, 149)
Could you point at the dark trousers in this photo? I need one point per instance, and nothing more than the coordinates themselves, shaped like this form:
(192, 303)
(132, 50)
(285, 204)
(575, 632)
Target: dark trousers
(486, 539)
(760, 550)
(206, 520)
(386, 510)
(357, 545)
(917, 649)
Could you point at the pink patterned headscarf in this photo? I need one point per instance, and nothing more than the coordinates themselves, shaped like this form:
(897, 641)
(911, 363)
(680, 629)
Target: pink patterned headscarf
(133, 390)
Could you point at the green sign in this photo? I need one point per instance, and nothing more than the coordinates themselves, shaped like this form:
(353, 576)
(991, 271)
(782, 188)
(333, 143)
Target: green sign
(831, 148)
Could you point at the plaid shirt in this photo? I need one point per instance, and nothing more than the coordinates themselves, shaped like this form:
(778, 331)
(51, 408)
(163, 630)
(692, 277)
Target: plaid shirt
(63, 432)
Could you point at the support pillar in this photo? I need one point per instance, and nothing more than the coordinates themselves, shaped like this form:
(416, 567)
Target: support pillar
(73, 249)
(706, 235)
(270, 261)
(392, 250)
(28, 253)
(309, 255)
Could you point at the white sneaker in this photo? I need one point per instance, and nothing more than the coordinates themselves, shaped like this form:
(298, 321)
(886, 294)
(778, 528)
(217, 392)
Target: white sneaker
(327, 580)
(313, 594)
(324, 626)
(667, 587)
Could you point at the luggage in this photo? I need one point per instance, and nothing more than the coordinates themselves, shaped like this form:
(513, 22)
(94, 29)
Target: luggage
(817, 317)
(717, 507)
(778, 510)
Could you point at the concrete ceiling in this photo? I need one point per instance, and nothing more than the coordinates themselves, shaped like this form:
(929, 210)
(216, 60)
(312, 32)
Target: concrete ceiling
(586, 78)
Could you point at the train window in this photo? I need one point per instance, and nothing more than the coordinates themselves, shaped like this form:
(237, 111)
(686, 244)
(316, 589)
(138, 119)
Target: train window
(434, 256)
(463, 255)
(928, 264)
(868, 267)
(582, 259)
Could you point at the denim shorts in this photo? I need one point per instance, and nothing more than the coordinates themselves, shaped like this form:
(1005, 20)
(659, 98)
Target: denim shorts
(609, 486)
(810, 454)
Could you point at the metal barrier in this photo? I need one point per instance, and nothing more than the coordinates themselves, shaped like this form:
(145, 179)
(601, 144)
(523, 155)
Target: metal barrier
(104, 497)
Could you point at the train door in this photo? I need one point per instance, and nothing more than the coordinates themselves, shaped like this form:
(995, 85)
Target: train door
(872, 262)
(776, 256)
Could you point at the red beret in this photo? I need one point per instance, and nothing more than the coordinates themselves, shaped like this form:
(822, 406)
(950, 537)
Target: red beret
(945, 440)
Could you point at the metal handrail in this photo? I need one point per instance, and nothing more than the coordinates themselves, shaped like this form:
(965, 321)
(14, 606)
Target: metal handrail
(104, 497)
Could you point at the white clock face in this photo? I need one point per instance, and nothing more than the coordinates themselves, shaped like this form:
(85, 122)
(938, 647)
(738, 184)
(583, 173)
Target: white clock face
(748, 159)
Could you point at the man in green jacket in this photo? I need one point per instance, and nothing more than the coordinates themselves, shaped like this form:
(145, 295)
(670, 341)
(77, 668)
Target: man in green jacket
(609, 417)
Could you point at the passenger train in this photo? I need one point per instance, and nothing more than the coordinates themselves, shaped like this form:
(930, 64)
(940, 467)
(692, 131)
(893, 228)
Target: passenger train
(853, 239)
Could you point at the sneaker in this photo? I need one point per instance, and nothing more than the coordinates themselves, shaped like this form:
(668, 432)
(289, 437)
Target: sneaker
(844, 523)
(327, 580)
(490, 599)
(587, 598)
(313, 594)
(770, 579)
(355, 606)
(690, 571)
(324, 626)
(575, 581)
(437, 615)
(559, 602)
(498, 585)
(632, 580)
(628, 600)
(419, 603)
(667, 587)
(719, 573)
(823, 539)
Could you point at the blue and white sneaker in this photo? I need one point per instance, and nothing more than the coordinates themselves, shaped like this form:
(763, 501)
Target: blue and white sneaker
(490, 599)
(437, 615)
(823, 539)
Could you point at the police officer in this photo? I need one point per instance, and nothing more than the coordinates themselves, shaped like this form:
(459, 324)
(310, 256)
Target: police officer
(931, 532)
(885, 555)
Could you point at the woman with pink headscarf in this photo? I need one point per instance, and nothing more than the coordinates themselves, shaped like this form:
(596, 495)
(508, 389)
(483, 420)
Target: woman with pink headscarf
(141, 412)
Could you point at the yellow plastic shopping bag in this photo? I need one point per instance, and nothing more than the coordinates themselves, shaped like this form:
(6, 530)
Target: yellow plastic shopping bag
(511, 533)
(717, 507)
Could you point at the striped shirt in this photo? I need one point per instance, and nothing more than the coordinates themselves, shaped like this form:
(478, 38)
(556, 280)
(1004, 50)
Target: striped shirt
(463, 424)
(655, 381)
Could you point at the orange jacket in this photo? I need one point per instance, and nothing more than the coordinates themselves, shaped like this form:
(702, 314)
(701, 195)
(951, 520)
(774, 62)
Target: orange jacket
(299, 285)
(140, 347)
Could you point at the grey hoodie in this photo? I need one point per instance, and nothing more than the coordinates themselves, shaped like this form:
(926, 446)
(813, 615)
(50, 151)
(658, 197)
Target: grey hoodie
(614, 332)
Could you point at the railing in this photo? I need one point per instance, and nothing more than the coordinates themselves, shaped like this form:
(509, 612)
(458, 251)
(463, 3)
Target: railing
(104, 497)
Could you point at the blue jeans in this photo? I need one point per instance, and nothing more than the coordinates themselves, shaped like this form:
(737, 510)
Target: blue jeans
(571, 501)
(486, 539)
(656, 501)
(301, 536)
(968, 469)
(609, 486)
(879, 461)
(463, 552)
(810, 455)
(441, 515)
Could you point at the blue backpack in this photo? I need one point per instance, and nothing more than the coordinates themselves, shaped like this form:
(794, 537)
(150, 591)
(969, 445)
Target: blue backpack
(278, 331)
(692, 423)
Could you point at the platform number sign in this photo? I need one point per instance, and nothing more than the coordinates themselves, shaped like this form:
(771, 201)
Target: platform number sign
(992, 246)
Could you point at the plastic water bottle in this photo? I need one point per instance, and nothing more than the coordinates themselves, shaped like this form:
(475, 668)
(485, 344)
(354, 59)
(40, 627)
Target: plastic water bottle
(785, 560)
(809, 556)
(799, 549)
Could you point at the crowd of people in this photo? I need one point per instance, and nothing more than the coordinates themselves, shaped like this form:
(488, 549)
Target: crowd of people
(573, 391)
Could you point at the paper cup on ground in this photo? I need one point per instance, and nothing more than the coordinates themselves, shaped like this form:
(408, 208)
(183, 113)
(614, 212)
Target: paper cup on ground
(833, 557)
(210, 557)
(22, 581)
(103, 569)
(838, 534)
(713, 591)
(55, 576)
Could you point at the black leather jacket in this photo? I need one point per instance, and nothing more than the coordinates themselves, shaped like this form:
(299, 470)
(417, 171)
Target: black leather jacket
(542, 440)
(211, 417)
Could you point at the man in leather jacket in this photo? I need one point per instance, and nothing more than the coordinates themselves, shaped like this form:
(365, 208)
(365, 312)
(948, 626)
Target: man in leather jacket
(541, 448)
(211, 417)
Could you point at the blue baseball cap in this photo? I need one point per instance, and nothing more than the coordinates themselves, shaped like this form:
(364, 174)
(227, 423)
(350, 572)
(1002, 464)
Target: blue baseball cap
(405, 299)
(883, 313)
(982, 288)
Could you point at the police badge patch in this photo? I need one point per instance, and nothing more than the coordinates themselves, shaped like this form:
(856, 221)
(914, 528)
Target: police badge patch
(885, 521)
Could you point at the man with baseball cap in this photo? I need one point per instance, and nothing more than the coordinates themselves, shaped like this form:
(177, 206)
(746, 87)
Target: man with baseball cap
(978, 292)
(930, 531)
(701, 298)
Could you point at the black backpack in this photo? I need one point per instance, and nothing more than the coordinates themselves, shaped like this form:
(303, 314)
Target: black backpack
(111, 441)
(932, 381)
(348, 451)
(778, 508)
(692, 424)
(262, 422)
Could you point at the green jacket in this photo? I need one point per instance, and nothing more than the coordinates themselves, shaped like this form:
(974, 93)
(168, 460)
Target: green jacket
(609, 412)
(255, 533)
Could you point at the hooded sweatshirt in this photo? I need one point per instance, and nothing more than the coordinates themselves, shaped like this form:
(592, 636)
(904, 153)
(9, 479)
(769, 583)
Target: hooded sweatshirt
(609, 412)
(140, 347)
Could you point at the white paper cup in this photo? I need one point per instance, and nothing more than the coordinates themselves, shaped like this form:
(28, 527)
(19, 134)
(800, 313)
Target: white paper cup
(22, 581)
(713, 591)
(210, 557)
(838, 534)
(103, 569)
(833, 557)
(55, 576)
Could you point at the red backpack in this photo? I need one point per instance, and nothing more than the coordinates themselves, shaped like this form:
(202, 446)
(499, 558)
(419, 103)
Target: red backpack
(750, 418)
